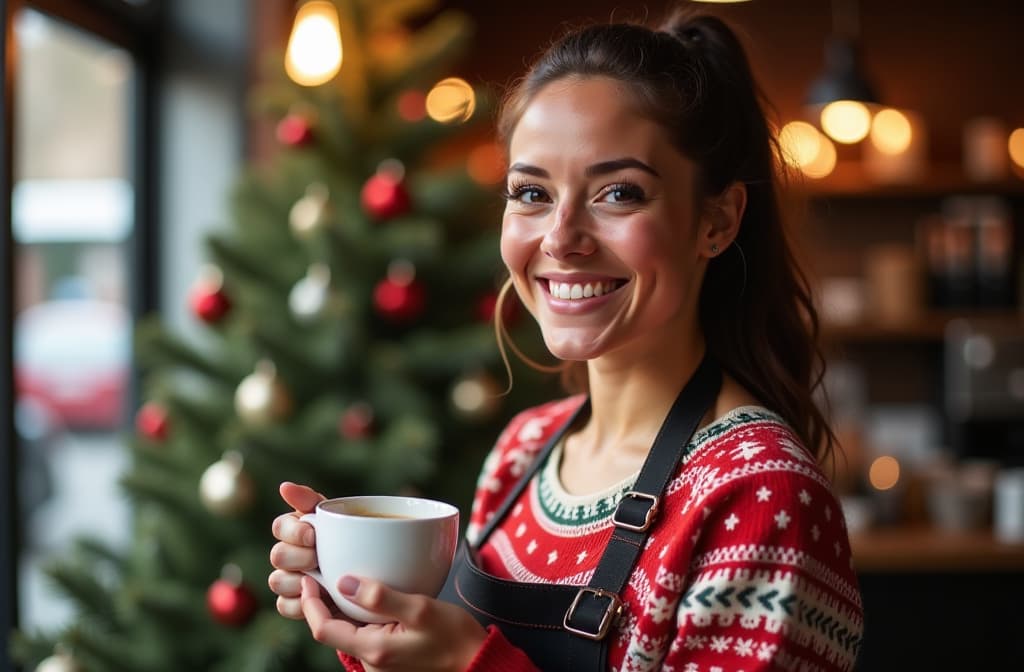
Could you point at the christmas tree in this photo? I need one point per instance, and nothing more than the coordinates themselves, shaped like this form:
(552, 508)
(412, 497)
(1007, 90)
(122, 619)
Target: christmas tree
(347, 344)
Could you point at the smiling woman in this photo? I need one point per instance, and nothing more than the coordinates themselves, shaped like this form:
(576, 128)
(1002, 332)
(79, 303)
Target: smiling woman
(671, 515)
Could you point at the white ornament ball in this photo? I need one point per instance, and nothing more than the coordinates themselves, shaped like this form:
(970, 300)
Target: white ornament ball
(310, 295)
(225, 488)
(312, 212)
(261, 399)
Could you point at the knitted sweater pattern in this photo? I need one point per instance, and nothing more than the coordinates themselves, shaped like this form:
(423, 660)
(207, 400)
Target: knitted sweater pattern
(747, 567)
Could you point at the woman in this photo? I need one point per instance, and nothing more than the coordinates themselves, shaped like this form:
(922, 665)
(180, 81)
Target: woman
(672, 515)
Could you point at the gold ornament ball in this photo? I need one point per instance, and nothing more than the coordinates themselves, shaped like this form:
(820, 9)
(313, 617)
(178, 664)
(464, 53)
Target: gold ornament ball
(225, 488)
(58, 662)
(261, 399)
(476, 397)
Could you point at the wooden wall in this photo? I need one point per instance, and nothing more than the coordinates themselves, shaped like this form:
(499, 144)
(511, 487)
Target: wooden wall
(949, 60)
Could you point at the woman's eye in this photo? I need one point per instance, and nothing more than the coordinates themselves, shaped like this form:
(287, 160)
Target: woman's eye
(527, 194)
(623, 193)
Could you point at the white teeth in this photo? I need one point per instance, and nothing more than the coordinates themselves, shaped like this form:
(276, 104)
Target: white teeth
(563, 290)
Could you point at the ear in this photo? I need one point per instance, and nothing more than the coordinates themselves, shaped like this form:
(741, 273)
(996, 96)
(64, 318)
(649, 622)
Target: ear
(721, 222)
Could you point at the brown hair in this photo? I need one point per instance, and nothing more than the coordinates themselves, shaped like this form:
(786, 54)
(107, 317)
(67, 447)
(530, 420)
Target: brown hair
(692, 77)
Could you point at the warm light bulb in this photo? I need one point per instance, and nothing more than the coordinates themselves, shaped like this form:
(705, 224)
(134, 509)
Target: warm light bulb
(800, 143)
(884, 473)
(451, 101)
(314, 48)
(846, 121)
(891, 132)
(1016, 146)
(824, 162)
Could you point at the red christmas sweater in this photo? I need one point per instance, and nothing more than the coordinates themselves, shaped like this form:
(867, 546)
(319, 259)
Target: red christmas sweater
(747, 568)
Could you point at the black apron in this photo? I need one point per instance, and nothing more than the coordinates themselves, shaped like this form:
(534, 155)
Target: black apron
(564, 627)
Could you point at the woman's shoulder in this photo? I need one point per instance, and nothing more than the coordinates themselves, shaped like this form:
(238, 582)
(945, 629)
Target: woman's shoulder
(748, 431)
(750, 446)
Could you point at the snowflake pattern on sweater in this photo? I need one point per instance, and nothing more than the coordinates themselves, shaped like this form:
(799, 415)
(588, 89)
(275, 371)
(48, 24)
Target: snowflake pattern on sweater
(747, 568)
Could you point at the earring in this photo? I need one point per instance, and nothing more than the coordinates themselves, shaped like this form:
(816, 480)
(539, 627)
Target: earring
(714, 249)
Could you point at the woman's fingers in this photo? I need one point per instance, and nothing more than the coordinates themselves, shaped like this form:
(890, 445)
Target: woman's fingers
(335, 632)
(292, 558)
(410, 610)
(300, 497)
(288, 528)
(285, 584)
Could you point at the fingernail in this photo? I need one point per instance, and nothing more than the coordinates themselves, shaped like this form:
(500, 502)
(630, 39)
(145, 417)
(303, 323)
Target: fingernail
(308, 537)
(348, 585)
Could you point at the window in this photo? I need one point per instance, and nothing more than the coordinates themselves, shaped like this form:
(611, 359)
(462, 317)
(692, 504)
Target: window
(73, 218)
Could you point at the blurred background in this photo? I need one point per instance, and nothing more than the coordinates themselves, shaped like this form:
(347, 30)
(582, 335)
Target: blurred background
(228, 262)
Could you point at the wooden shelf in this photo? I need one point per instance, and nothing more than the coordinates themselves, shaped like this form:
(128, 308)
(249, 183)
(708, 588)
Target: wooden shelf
(929, 327)
(849, 180)
(923, 549)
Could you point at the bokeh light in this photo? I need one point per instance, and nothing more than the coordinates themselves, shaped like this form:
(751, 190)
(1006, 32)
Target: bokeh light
(451, 101)
(846, 121)
(314, 48)
(891, 132)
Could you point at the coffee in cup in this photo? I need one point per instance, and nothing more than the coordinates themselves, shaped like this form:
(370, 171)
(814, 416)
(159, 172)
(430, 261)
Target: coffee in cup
(407, 543)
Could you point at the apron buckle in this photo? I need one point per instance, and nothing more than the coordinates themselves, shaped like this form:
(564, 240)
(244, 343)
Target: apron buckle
(648, 515)
(587, 599)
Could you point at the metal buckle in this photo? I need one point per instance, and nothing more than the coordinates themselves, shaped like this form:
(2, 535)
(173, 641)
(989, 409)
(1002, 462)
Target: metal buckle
(613, 609)
(648, 518)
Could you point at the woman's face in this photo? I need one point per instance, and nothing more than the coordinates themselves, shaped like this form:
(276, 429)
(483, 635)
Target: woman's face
(600, 230)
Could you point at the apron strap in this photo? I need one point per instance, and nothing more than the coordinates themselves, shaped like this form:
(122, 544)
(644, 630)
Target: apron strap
(597, 605)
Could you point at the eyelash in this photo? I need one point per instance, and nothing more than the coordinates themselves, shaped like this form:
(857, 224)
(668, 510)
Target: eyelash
(516, 188)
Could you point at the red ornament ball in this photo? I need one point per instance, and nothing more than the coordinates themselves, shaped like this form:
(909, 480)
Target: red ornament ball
(384, 196)
(230, 603)
(357, 422)
(209, 302)
(294, 130)
(399, 302)
(152, 422)
(412, 106)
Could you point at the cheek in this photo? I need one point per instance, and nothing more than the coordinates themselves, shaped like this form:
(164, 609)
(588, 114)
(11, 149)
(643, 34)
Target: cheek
(516, 245)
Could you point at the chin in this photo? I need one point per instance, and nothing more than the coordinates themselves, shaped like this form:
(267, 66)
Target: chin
(572, 351)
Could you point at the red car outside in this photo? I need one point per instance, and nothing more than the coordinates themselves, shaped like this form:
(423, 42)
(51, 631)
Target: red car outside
(73, 358)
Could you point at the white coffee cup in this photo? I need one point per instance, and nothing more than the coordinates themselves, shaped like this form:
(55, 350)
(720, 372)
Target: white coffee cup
(407, 543)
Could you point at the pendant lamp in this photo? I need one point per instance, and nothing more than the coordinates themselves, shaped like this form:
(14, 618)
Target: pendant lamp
(842, 94)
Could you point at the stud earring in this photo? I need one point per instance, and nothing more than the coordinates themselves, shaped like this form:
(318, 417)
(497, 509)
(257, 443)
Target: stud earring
(714, 249)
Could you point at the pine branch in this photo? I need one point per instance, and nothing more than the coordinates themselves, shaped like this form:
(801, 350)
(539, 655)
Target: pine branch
(91, 596)
(156, 348)
(30, 649)
(99, 649)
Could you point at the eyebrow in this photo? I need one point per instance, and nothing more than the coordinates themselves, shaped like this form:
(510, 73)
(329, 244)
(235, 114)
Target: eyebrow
(602, 168)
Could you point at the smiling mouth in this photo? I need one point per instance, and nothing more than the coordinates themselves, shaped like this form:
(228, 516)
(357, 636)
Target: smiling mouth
(581, 290)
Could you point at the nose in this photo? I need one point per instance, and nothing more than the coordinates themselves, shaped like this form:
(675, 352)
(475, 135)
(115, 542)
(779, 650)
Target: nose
(568, 234)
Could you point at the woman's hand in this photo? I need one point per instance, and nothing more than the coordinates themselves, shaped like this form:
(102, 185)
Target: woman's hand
(428, 634)
(295, 550)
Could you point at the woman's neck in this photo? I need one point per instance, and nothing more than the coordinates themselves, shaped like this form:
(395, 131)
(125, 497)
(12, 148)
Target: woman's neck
(630, 397)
